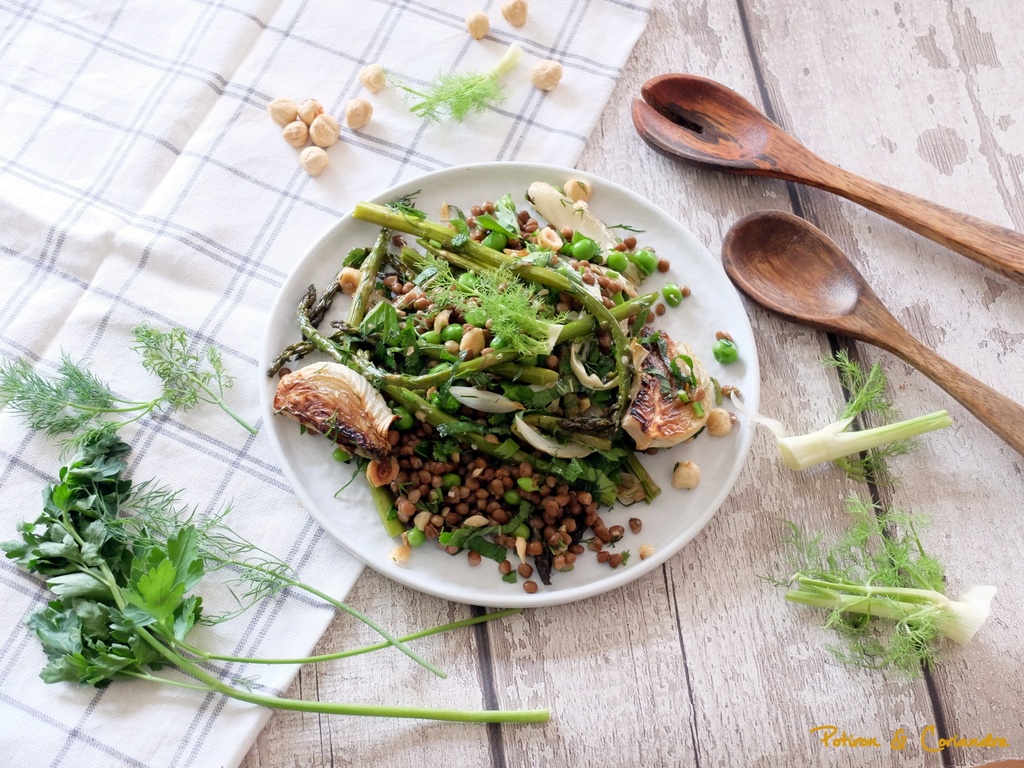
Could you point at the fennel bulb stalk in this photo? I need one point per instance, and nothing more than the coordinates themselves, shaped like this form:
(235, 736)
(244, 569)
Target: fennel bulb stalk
(834, 442)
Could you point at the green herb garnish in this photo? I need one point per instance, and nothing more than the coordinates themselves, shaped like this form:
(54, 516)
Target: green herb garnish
(77, 405)
(455, 95)
(884, 594)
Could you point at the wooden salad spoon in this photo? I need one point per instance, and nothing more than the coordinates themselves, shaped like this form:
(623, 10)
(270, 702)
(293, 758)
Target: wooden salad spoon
(702, 122)
(788, 265)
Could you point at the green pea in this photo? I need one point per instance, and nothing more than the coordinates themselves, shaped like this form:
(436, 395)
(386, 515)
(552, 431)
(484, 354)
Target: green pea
(523, 531)
(526, 484)
(725, 352)
(498, 343)
(404, 420)
(340, 454)
(452, 332)
(511, 497)
(431, 337)
(618, 261)
(584, 249)
(467, 280)
(476, 317)
(416, 537)
(495, 240)
(645, 260)
(450, 480)
(673, 296)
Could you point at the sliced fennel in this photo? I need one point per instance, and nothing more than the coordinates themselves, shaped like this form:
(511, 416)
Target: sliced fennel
(549, 445)
(561, 212)
(581, 350)
(484, 400)
(878, 570)
(834, 443)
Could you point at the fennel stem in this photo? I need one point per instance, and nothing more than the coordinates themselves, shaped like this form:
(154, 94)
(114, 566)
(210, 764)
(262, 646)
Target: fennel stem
(214, 683)
(354, 651)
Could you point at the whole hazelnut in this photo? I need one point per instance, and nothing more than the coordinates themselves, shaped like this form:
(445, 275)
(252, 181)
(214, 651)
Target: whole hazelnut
(309, 109)
(358, 113)
(685, 475)
(295, 133)
(373, 77)
(719, 422)
(545, 75)
(324, 130)
(478, 24)
(313, 160)
(514, 12)
(577, 189)
(283, 111)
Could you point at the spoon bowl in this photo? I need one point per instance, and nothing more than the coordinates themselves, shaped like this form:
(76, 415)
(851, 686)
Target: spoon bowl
(787, 265)
(702, 122)
(792, 268)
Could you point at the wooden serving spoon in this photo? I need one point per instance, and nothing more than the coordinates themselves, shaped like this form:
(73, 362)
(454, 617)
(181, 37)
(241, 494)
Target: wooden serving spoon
(786, 264)
(703, 122)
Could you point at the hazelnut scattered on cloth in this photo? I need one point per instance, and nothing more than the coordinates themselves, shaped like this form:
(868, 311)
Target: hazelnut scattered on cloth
(324, 130)
(358, 113)
(305, 122)
(478, 25)
(514, 12)
(373, 77)
(546, 74)
(313, 160)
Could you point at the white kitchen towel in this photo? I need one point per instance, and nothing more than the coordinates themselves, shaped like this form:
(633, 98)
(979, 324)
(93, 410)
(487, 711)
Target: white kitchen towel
(142, 180)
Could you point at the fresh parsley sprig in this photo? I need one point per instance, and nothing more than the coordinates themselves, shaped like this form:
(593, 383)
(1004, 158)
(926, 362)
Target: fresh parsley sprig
(123, 559)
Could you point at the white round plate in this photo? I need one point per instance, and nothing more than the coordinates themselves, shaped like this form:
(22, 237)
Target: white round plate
(672, 520)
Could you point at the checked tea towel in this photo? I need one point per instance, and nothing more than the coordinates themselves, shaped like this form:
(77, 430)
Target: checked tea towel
(142, 180)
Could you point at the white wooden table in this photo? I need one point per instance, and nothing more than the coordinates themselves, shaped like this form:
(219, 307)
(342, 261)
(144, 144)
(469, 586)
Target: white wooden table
(701, 662)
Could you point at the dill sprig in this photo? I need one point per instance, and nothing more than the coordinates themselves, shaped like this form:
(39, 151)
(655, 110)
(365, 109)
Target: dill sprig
(867, 394)
(455, 95)
(517, 311)
(883, 592)
(77, 405)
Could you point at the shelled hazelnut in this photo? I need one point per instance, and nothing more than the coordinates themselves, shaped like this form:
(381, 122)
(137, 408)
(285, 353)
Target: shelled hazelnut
(296, 133)
(309, 110)
(324, 130)
(514, 12)
(546, 74)
(283, 111)
(358, 113)
(478, 24)
(313, 160)
(373, 77)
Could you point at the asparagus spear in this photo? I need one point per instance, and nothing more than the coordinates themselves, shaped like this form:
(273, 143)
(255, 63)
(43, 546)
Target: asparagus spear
(367, 280)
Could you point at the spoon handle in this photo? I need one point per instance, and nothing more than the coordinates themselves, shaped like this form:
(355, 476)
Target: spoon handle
(996, 411)
(993, 246)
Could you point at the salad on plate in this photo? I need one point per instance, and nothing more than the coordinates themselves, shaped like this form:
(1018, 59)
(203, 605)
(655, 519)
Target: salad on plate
(496, 377)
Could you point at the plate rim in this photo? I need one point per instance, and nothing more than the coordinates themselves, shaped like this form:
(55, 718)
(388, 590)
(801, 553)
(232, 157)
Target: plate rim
(620, 577)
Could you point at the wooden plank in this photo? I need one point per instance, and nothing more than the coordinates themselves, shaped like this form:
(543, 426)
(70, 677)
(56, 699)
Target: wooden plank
(934, 99)
(383, 677)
